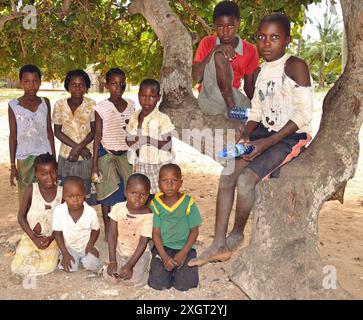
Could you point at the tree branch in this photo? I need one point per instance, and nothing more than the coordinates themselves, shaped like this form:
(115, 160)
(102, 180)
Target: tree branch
(202, 23)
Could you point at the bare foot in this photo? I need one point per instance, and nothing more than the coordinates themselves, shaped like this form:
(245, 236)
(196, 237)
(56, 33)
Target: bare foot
(234, 240)
(211, 254)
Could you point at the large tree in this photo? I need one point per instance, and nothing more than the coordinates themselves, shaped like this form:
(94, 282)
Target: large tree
(282, 259)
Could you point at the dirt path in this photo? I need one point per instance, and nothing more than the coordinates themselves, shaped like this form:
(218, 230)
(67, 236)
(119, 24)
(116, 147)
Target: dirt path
(340, 231)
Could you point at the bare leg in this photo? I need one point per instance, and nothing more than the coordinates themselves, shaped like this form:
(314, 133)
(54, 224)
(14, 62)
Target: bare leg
(219, 251)
(106, 219)
(224, 78)
(246, 184)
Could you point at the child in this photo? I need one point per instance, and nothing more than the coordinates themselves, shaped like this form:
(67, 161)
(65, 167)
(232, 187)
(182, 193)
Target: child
(149, 134)
(175, 230)
(30, 129)
(110, 148)
(130, 229)
(221, 62)
(37, 253)
(76, 228)
(74, 120)
(278, 127)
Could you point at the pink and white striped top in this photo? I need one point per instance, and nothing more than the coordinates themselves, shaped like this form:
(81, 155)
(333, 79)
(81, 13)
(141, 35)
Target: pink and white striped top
(114, 124)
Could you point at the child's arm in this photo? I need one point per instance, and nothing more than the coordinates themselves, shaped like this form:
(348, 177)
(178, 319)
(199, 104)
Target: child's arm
(112, 244)
(22, 218)
(49, 128)
(198, 68)
(164, 144)
(169, 262)
(90, 248)
(12, 146)
(182, 254)
(97, 141)
(66, 257)
(128, 269)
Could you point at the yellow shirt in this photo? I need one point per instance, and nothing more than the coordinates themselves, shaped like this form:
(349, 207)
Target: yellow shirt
(155, 125)
(130, 227)
(76, 126)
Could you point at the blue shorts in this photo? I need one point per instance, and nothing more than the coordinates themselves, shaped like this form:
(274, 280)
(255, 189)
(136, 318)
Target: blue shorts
(270, 161)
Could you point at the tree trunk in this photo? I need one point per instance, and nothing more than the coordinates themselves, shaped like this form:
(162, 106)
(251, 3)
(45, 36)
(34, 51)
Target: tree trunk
(282, 260)
(176, 79)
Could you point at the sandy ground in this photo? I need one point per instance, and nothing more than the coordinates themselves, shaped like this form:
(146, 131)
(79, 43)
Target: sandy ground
(340, 232)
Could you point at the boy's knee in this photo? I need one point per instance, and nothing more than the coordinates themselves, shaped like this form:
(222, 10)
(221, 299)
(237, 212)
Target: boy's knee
(220, 59)
(247, 181)
(91, 262)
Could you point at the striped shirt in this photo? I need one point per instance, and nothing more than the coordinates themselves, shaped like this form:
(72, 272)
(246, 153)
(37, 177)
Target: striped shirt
(113, 124)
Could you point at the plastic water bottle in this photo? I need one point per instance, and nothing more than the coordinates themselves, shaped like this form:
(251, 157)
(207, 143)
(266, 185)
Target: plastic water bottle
(234, 151)
(240, 113)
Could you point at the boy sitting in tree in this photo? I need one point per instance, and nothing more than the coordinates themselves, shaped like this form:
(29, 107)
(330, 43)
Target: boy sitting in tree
(221, 62)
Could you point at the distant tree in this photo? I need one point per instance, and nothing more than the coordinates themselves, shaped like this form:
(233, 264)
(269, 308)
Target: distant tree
(324, 56)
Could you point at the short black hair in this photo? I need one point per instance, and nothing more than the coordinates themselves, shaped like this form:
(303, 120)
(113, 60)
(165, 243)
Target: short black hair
(139, 177)
(44, 158)
(75, 180)
(77, 73)
(226, 8)
(171, 166)
(150, 83)
(30, 68)
(114, 71)
(277, 17)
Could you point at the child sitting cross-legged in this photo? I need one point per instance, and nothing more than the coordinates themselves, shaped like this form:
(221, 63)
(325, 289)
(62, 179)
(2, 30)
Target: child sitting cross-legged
(76, 228)
(175, 231)
(130, 231)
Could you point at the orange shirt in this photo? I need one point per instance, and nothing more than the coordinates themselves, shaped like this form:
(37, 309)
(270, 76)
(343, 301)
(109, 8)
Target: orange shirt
(245, 62)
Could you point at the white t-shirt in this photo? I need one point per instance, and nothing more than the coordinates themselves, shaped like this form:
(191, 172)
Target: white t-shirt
(76, 235)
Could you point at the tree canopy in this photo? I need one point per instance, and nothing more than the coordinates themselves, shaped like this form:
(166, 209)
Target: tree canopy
(76, 34)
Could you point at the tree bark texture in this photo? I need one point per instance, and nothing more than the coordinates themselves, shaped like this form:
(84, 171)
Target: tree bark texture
(282, 260)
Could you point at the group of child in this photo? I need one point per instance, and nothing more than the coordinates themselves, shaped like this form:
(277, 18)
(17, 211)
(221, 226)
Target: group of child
(121, 158)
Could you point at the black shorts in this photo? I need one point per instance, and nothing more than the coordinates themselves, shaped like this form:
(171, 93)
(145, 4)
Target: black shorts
(269, 162)
(181, 279)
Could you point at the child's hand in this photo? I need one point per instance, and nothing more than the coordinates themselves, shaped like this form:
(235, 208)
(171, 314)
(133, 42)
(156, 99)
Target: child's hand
(13, 175)
(169, 263)
(38, 241)
(85, 154)
(74, 154)
(126, 272)
(66, 261)
(179, 258)
(112, 270)
(244, 138)
(227, 50)
(260, 145)
(92, 250)
(46, 241)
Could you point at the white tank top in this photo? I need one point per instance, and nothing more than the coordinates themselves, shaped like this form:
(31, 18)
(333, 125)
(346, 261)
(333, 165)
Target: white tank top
(39, 212)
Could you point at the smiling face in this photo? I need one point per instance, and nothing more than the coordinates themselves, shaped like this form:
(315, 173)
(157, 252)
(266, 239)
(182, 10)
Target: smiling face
(116, 84)
(137, 193)
(46, 174)
(170, 181)
(272, 40)
(226, 28)
(30, 82)
(148, 98)
(77, 87)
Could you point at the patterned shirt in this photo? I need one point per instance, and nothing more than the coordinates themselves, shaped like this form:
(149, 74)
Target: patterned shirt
(155, 125)
(130, 228)
(76, 126)
(113, 124)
